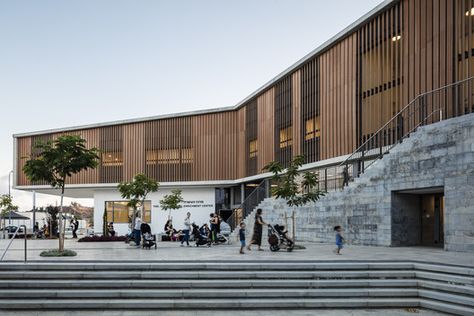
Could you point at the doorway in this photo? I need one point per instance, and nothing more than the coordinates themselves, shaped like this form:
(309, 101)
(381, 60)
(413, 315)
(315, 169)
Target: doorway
(432, 220)
(418, 218)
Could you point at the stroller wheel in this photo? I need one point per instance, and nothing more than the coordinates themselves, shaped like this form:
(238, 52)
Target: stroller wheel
(274, 248)
(289, 249)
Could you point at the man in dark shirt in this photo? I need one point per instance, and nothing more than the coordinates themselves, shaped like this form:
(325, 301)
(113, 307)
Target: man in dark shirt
(242, 237)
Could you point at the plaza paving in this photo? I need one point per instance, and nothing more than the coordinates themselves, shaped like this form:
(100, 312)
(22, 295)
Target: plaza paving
(172, 251)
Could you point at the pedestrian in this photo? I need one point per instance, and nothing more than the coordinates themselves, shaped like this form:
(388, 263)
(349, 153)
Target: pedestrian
(242, 237)
(75, 227)
(213, 222)
(257, 231)
(137, 230)
(339, 239)
(186, 230)
(71, 224)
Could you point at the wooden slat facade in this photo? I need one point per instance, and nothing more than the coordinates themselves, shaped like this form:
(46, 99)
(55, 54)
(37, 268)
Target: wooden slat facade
(324, 108)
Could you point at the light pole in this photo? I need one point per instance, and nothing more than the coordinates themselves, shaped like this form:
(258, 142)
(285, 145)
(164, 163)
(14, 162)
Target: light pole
(9, 195)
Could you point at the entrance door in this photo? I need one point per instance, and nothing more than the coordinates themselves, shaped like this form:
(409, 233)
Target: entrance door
(432, 215)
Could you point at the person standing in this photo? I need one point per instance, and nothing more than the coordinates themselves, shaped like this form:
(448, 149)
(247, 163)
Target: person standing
(186, 230)
(75, 227)
(137, 230)
(257, 231)
(242, 237)
(339, 240)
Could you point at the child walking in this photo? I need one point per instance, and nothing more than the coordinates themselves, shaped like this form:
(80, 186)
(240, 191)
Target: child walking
(242, 237)
(339, 239)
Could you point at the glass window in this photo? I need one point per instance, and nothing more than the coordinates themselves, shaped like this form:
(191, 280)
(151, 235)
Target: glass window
(169, 156)
(120, 212)
(253, 148)
(112, 159)
(187, 155)
(312, 129)
(286, 137)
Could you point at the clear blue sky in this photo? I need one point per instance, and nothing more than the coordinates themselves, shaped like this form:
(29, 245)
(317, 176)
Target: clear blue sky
(74, 62)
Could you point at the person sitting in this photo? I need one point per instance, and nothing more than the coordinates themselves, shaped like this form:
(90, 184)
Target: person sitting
(110, 229)
(169, 230)
(205, 231)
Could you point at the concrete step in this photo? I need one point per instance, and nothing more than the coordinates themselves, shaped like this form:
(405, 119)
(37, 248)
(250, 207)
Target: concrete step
(217, 303)
(169, 275)
(208, 293)
(446, 307)
(451, 278)
(446, 287)
(199, 266)
(189, 284)
(459, 299)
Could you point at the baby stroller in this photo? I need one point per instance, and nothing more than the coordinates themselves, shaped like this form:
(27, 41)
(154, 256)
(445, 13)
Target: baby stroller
(278, 239)
(149, 241)
(199, 238)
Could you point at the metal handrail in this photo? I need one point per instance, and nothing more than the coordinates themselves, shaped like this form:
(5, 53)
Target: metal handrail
(242, 206)
(13, 238)
(348, 159)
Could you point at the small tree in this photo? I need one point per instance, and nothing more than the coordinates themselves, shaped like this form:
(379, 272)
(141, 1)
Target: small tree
(137, 190)
(171, 201)
(52, 220)
(58, 160)
(296, 192)
(6, 207)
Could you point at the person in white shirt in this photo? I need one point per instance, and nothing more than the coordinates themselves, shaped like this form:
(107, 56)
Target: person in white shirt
(187, 229)
(137, 229)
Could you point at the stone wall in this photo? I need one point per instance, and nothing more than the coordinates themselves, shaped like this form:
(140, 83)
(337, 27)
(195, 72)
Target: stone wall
(437, 155)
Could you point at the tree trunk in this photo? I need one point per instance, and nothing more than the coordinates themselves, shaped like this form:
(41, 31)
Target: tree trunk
(61, 224)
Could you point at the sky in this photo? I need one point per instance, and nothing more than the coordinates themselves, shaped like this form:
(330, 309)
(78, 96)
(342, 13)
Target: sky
(75, 62)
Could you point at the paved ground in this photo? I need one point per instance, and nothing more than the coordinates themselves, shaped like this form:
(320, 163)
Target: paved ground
(319, 312)
(172, 251)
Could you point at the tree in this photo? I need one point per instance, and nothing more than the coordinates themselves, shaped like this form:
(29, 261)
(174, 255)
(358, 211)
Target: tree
(171, 201)
(56, 161)
(296, 191)
(6, 207)
(137, 190)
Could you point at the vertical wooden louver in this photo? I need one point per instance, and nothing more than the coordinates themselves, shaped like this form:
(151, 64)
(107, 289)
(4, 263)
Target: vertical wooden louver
(283, 121)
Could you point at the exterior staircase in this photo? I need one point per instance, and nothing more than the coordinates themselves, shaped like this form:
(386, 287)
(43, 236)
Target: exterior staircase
(233, 284)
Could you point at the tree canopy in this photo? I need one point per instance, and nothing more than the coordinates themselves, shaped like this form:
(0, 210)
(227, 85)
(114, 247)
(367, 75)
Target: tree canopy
(136, 190)
(297, 189)
(172, 201)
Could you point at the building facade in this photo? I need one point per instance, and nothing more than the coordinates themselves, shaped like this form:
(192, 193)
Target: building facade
(324, 107)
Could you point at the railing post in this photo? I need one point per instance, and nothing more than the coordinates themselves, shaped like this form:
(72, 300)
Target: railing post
(326, 179)
(26, 238)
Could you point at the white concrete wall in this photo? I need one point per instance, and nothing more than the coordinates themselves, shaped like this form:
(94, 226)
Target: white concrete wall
(199, 201)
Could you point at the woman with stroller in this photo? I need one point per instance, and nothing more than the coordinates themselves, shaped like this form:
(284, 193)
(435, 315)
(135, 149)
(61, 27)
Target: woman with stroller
(257, 231)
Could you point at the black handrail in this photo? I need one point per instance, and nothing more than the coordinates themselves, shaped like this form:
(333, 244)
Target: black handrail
(405, 122)
(248, 205)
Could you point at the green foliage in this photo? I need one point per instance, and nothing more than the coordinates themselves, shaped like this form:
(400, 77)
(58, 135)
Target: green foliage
(52, 220)
(6, 205)
(57, 160)
(136, 190)
(58, 253)
(172, 201)
(288, 187)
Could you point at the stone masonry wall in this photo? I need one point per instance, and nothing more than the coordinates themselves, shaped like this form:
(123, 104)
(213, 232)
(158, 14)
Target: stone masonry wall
(437, 155)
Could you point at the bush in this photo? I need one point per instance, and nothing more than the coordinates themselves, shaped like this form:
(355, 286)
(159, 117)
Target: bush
(57, 253)
(102, 238)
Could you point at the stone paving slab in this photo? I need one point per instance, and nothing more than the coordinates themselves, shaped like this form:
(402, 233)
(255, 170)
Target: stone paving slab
(169, 251)
(319, 312)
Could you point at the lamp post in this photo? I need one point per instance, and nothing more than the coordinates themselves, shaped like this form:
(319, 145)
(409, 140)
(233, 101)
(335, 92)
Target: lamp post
(10, 195)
